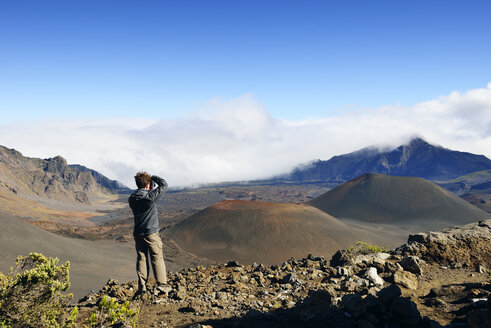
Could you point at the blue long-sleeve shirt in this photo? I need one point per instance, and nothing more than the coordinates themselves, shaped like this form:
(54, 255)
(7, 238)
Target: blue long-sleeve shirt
(142, 203)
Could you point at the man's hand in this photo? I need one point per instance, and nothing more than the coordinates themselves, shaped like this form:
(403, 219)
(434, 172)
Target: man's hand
(158, 180)
(159, 190)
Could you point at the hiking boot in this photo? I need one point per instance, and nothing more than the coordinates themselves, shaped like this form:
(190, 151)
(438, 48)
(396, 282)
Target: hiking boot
(162, 289)
(139, 293)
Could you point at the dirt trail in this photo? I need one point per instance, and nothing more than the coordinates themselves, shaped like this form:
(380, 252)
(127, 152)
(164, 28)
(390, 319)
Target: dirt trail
(453, 287)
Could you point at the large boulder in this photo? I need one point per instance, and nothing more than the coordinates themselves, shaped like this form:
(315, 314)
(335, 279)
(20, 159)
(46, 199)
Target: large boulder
(454, 247)
(406, 279)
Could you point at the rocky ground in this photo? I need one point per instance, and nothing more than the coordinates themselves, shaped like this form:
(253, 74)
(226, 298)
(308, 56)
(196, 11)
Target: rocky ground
(436, 279)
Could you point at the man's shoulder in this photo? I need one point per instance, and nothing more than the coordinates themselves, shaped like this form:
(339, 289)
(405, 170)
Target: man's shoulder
(137, 194)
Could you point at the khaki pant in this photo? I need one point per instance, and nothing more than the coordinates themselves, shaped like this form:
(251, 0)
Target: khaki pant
(149, 251)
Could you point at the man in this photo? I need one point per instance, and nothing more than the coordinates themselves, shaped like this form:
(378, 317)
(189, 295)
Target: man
(146, 232)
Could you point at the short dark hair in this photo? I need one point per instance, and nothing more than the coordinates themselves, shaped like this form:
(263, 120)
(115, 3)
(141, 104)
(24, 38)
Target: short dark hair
(142, 179)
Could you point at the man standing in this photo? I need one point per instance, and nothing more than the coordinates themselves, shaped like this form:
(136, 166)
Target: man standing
(146, 232)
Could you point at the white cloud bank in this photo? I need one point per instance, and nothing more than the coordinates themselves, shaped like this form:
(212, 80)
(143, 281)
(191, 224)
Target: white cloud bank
(236, 139)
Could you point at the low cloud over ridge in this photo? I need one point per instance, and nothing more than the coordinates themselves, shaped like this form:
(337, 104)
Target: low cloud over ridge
(237, 139)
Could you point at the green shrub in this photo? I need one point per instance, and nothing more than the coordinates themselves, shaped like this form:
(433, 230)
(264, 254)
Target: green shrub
(112, 313)
(31, 294)
(4, 324)
(71, 322)
(365, 248)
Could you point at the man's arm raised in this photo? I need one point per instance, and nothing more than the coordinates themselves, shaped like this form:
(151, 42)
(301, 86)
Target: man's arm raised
(158, 192)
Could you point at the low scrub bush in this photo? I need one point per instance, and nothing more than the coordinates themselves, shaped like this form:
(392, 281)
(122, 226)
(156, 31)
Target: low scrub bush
(32, 293)
(111, 313)
(365, 248)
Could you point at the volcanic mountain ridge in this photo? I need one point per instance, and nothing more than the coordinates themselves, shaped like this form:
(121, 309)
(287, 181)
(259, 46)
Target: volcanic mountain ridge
(51, 178)
(51, 191)
(418, 158)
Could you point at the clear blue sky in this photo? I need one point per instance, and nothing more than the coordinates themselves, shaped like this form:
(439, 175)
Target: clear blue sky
(158, 59)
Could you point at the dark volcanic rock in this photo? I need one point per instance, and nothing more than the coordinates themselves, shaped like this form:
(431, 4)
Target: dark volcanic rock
(404, 312)
(354, 304)
(412, 264)
(389, 293)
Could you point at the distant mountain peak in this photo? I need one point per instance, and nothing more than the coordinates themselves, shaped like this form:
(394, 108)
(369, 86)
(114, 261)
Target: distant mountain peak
(418, 141)
(56, 164)
(418, 158)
